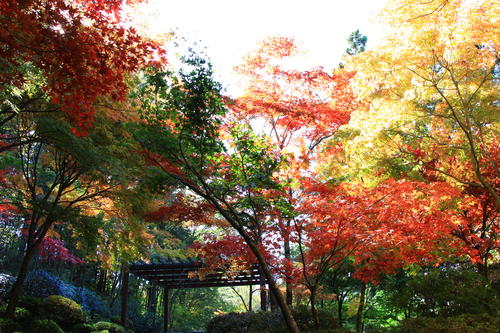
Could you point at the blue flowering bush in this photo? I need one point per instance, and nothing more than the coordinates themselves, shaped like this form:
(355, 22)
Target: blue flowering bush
(43, 284)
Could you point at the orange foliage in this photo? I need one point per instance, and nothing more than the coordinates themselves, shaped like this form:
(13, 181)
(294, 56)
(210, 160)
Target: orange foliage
(82, 48)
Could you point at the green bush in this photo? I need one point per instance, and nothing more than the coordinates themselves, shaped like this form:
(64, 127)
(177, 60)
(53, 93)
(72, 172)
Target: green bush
(270, 322)
(111, 327)
(245, 322)
(470, 323)
(116, 319)
(63, 310)
(9, 326)
(33, 304)
(22, 314)
(82, 328)
(305, 321)
(45, 326)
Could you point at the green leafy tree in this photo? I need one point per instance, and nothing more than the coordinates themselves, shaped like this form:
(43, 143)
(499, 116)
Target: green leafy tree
(56, 177)
(357, 43)
(187, 138)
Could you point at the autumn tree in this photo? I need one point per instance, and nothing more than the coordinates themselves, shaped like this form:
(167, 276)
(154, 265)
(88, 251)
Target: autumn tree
(433, 90)
(73, 51)
(223, 163)
(300, 109)
(57, 178)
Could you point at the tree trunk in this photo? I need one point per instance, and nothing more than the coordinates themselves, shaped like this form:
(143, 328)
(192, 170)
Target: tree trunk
(288, 256)
(312, 299)
(124, 296)
(17, 288)
(263, 292)
(285, 309)
(273, 287)
(340, 303)
(114, 294)
(483, 270)
(103, 277)
(359, 316)
(152, 298)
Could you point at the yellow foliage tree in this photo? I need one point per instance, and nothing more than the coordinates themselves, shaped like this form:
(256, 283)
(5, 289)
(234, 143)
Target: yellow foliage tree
(433, 91)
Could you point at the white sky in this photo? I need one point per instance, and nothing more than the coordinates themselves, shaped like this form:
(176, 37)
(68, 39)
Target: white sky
(231, 28)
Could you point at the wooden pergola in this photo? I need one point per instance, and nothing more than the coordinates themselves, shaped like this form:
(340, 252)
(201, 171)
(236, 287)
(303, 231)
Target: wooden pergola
(178, 274)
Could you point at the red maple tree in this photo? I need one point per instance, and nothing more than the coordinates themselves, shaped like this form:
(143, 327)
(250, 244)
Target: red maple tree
(83, 49)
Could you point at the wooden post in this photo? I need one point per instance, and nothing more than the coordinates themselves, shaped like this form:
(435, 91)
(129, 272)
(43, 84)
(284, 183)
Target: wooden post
(165, 310)
(124, 296)
(250, 298)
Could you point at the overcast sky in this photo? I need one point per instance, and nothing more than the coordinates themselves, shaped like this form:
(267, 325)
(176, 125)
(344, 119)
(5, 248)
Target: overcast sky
(230, 28)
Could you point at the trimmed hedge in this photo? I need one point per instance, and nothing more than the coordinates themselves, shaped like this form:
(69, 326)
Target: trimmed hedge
(33, 304)
(111, 327)
(245, 322)
(271, 322)
(45, 326)
(82, 328)
(64, 311)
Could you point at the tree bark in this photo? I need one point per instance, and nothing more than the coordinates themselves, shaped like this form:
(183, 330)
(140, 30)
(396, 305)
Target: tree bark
(103, 277)
(289, 293)
(263, 292)
(340, 303)
(359, 316)
(482, 269)
(312, 299)
(233, 221)
(17, 288)
(124, 296)
(273, 287)
(152, 298)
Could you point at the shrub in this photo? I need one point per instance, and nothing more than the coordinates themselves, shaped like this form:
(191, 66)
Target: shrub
(470, 323)
(305, 321)
(111, 327)
(91, 302)
(117, 320)
(259, 322)
(82, 328)
(22, 315)
(63, 310)
(42, 284)
(245, 322)
(146, 322)
(9, 326)
(45, 326)
(33, 304)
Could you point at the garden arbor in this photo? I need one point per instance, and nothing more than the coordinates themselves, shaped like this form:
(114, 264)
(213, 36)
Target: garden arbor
(179, 273)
